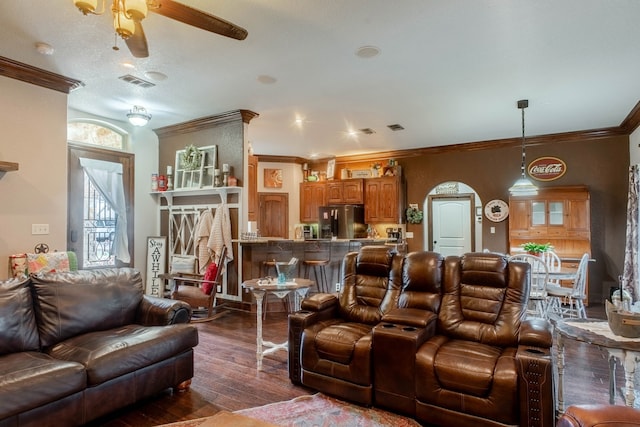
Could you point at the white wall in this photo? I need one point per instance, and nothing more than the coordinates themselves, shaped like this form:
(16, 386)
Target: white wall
(34, 134)
(143, 143)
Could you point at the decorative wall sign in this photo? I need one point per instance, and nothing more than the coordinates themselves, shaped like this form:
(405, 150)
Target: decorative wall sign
(496, 210)
(156, 262)
(273, 178)
(448, 188)
(547, 168)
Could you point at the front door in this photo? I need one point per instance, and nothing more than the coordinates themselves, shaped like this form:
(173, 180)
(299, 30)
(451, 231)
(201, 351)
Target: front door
(273, 216)
(451, 224)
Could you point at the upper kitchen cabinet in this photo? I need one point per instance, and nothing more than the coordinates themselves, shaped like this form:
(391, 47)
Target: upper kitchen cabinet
(560, 216)
(346, 191)
(383, 198)
(312, 196)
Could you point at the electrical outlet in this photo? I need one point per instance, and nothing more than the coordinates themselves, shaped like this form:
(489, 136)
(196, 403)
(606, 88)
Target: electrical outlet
(409, 235)
(338, 287)
(39, 228)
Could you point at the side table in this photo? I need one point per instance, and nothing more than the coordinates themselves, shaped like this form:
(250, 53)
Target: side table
(298, 288)
(598, 333)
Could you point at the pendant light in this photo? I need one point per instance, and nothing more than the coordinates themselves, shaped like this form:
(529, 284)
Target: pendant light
(523, 186)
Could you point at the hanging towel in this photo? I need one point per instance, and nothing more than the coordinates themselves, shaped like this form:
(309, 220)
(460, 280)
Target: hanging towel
(203, 233)
(221, 234)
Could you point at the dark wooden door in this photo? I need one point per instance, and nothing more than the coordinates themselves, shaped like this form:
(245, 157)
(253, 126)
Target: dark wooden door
(273, 214)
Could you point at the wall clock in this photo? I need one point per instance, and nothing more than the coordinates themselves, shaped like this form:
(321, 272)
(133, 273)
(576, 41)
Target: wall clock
(496, 210)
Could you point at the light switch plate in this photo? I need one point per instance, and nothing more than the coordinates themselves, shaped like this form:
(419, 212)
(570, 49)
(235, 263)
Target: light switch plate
(39, 228)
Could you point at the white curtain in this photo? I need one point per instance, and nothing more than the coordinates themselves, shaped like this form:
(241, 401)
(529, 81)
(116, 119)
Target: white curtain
(630, 274)
(107, 178)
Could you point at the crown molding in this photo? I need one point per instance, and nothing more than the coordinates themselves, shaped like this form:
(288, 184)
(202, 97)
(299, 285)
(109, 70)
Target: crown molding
(37, 76)
(207, 122)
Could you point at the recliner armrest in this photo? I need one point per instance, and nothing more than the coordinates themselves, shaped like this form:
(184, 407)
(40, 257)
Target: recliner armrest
(536, 385)
(155, 311)
(410, 317)
(536, 333)
(319, 302)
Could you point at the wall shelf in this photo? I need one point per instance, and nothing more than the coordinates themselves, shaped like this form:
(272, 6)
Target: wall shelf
(8, 166)
(222, 192)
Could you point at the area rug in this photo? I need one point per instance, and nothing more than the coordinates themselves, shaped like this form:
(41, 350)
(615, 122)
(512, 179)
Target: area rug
(317, 410)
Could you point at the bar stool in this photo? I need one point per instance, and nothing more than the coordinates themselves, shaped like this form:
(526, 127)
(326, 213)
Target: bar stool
(317, 255)
(277, 251)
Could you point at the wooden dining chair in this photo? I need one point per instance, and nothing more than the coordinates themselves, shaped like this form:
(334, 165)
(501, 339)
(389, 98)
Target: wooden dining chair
(539, 280)
(569, 302)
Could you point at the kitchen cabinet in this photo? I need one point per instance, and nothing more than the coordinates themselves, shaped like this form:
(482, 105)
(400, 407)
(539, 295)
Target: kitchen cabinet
(312, 196)
(346, 191)
(252, 188)
(383, 198)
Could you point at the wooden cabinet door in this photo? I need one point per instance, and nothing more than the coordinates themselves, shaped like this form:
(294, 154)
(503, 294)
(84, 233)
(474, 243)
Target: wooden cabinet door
(334, 192)
(381, 197)
(578, 222)
(252, 186)
(519, 217)
(352, 191)
(312, 196)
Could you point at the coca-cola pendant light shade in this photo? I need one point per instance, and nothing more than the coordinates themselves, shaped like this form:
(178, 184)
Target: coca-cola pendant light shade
(523, 186)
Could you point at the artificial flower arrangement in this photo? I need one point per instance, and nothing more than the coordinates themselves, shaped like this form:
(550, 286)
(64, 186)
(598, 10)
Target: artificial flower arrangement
(536, 248)
(414, 215)
(191, 158)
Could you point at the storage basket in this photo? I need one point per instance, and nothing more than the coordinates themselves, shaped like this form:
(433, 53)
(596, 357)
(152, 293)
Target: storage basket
(623, 323)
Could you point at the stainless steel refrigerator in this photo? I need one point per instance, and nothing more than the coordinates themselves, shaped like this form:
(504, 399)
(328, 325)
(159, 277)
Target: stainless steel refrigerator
(342, 222)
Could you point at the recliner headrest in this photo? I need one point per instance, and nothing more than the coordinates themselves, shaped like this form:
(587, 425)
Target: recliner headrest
(374, 261)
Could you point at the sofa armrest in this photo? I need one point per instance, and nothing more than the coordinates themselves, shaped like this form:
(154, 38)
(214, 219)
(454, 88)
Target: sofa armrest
(314, 309)
(536, 385)
(536, 332)
(154, 311)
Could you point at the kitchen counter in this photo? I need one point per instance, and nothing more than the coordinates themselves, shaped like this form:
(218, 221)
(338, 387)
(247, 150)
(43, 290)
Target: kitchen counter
(254, 252)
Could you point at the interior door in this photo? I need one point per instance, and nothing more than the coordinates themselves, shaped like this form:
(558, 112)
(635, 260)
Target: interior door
(273, 214)
(90, 221)
(451, 224)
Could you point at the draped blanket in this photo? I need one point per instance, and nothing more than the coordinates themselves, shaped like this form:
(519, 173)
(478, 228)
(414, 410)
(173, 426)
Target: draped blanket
(212, 234)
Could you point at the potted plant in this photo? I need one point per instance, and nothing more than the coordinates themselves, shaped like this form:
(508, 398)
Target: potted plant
(536, 248)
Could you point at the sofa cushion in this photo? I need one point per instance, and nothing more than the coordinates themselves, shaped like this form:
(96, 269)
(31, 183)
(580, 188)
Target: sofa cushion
(337, 343)
(31, 379)
(73, 303)
(18, 331)
(109, 354)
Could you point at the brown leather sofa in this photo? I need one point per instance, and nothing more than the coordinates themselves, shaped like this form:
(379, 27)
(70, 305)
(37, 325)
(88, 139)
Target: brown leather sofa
(75, 346)
(599, 416)
(454, 348)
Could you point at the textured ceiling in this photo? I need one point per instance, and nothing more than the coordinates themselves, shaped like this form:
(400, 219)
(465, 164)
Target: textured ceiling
(449, 72)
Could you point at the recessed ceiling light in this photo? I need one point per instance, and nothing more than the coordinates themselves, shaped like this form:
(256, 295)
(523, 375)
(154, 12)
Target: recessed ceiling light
(155, 75)
(44, 48)
(127, 64)
(368, 51)
(268, 80)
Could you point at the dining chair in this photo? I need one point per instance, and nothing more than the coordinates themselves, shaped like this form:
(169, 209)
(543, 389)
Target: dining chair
(569, 302)
(554, 264)
(539, 280)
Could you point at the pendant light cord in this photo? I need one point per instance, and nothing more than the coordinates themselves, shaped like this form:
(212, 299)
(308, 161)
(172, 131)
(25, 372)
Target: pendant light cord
(523, 153)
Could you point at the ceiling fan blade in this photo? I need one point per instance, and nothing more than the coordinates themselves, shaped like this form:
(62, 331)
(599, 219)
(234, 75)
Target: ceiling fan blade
(197, 18)
(137, 43)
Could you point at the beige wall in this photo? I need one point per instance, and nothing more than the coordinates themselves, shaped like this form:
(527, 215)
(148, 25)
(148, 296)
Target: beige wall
(34, 134)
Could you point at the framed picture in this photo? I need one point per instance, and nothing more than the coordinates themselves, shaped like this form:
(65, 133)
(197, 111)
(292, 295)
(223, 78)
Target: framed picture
(273, 178)
(194, 167)
(156, 265)
(331, 168)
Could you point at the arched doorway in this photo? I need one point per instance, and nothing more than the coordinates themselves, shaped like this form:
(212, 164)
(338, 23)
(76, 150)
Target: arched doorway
(453, 219)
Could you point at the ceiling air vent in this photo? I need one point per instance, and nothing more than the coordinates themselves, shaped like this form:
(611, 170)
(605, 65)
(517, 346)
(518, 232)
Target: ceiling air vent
(395, 127)
(136, 81)
(367, 131)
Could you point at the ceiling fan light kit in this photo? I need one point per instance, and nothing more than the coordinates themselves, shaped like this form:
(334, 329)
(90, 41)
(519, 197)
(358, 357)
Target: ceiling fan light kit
(128, 16)
(138, 116)
(523, 186)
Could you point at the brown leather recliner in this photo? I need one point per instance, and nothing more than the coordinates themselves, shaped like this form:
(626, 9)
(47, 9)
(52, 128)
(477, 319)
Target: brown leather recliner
(330, 338)
(599, 416)
(486, 365)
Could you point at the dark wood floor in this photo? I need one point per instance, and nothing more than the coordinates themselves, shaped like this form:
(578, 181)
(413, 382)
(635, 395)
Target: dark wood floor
(226, 377)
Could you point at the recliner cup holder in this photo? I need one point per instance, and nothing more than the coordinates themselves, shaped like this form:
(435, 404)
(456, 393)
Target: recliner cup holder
(534, 351)
(388, 325)
(409, 328)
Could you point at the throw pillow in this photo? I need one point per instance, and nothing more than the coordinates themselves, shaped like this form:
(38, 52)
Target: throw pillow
(210, 277)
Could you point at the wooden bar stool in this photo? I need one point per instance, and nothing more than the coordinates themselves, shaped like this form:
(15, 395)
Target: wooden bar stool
(317, 255)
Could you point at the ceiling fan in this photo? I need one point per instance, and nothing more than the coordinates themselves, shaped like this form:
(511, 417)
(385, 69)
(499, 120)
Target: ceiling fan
(128, 16)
